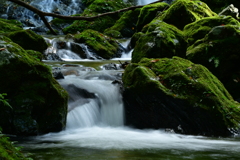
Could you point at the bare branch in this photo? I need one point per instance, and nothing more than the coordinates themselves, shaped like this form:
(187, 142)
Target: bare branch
(43, 14)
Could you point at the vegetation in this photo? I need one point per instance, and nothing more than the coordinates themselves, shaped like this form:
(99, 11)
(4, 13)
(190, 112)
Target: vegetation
(100, 24)
(190, 83)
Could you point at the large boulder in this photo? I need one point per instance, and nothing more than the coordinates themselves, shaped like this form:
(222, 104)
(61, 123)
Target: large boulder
(104, 46)
(149, 12)
(198, 29)
(183, 12)
(38, 102)
(180, 95)
(218, 50)
(28, 40)
(125, 26)
(159, 40)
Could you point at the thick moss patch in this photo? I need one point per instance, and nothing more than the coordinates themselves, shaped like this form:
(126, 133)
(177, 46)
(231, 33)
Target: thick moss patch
(183, 94)
(183, 12)
(102, 45)
(198, 29)
(28, 40)
(125, 26)
(219, 52)
(160, 40)
(39, 103)
(149, 12)
(95, 8)
(9, 26)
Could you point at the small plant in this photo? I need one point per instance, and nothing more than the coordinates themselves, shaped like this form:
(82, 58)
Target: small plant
(3, 100)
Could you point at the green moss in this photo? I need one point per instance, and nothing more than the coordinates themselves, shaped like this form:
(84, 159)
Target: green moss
(183, 12)
(198, 29)
(99, 24)
(160, 40)
(218, 51)
(8, 151)
(28, 40)
(126, 25)
(149, 12)
(35, 96)
(37, 55)
(181, 79)
(102, 45)
(9, 26)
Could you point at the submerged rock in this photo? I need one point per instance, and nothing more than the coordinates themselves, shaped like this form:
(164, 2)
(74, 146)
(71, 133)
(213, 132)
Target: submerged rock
(180, 95)
(39, 103)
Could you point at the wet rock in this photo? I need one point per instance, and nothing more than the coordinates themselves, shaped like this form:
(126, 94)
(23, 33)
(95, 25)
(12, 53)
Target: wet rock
(100, 44)
(57, 74)
(177, 94)
(39, 103)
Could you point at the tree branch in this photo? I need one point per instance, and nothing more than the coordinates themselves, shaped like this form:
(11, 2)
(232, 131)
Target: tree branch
(43, 14)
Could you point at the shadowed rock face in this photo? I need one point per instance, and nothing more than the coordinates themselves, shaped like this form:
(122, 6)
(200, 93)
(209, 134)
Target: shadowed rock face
(39, 103)
(177, 94)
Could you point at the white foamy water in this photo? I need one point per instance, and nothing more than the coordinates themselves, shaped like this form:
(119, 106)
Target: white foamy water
(123, 138)
(98, 124)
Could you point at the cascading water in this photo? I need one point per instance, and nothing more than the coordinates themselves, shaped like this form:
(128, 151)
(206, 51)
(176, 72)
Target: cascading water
(95, 123)
(30, 19)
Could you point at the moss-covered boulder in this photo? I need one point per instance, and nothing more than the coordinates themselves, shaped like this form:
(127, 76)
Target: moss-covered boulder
(28, 40)
(125, 26)
(219, 52)
(102, 45)
(160, 40)
(38, 102)
(149, 12)
(178, 94)
(198, 29)
(9, 25)
(183, 12)
(99, 24)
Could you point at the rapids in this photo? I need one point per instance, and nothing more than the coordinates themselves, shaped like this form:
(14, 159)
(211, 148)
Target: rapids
(95, 128)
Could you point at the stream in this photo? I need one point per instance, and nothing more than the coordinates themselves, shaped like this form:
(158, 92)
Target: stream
(95, 127)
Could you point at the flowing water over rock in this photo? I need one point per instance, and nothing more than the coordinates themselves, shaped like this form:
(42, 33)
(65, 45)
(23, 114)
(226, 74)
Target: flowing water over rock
(95, 127)
(95, 123)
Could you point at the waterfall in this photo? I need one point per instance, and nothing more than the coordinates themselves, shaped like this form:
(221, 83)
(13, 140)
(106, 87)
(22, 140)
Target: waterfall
(94, 101)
